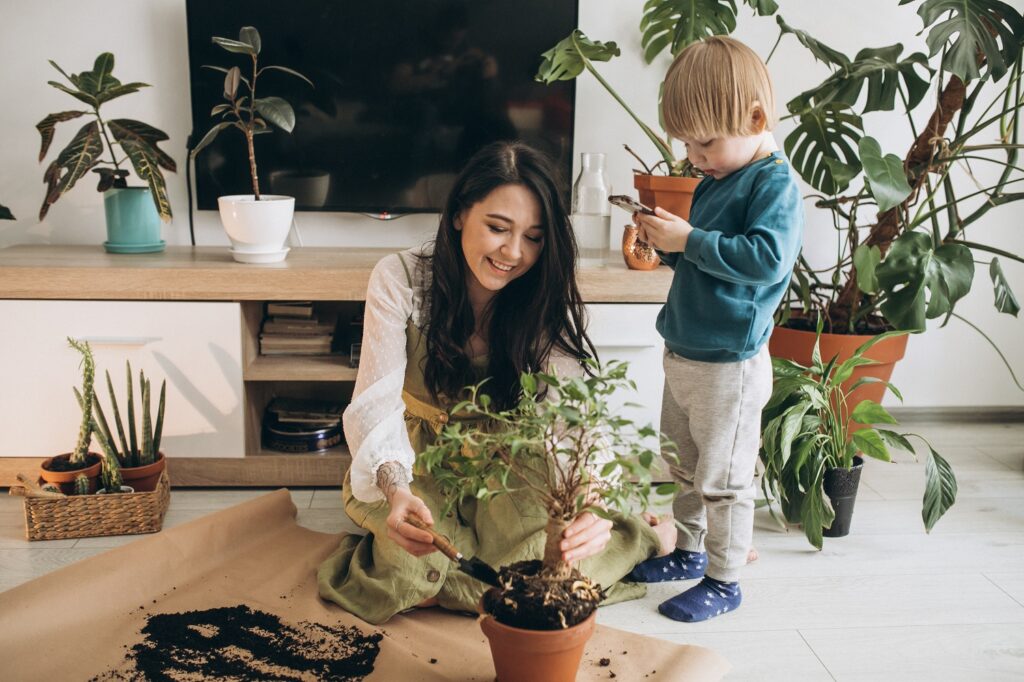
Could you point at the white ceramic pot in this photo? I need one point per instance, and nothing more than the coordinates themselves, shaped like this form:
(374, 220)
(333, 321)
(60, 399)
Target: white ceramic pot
(257, 229)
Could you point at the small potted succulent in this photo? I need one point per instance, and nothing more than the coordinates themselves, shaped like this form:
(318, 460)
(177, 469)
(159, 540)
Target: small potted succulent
(133, 214)
(257, 224)
(574, 454)
(63, 470)
(813, 457)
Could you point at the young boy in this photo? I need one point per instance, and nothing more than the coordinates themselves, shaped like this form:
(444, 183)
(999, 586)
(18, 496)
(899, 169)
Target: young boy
(732, 263)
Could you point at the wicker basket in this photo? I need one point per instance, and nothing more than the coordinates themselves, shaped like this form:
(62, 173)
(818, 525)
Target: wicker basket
(86, 516)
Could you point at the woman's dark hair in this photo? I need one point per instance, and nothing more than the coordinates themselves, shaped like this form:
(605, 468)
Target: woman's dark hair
(530, 316)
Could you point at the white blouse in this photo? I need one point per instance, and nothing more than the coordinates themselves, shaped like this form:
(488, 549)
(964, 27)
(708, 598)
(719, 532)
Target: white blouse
(374, 421)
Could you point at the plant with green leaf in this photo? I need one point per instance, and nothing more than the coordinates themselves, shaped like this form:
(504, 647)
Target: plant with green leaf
(138, 141)
(665, 23)
(562, 443)
(5, 213)
(132, 453)
(806, 430)
(88, 364)
(250, 114)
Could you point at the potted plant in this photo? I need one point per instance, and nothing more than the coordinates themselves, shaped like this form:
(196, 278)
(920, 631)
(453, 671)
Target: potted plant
(812, 458)
(5, 213)
(63, 470)
(574, 454)
(133, 214)
(139, 463)
(907, 243)
(257, 224)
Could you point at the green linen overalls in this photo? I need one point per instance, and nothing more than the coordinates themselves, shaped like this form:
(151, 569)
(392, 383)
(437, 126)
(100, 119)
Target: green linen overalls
(373, 578)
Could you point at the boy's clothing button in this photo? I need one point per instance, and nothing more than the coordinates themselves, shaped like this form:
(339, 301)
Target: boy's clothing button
(433, 575)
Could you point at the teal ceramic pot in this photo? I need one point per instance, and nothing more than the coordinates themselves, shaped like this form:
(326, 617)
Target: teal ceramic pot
(133, 225)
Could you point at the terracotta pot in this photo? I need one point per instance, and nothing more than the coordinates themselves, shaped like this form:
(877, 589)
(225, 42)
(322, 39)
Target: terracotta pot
(144, 478)
(673, 194)
(797, 345)
(537, 655)
(638, 255)
(66, 479)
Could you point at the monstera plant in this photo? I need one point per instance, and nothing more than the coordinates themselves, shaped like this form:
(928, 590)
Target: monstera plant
(134, 141)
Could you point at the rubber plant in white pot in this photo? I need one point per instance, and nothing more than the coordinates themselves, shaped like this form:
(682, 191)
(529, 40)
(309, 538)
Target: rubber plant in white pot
(133, 214)
(572, 452)
(257, 224)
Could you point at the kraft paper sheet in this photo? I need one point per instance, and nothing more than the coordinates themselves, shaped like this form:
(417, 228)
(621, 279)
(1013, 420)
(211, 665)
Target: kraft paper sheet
(74, 623)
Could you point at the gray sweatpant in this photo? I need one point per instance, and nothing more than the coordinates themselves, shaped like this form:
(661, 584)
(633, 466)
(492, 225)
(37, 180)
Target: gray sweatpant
(712, 411)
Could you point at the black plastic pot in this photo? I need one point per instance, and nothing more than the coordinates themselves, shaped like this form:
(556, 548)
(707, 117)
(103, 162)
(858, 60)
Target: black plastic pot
(841, 488)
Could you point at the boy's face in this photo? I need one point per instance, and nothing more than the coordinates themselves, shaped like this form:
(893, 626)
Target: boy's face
(720, 156)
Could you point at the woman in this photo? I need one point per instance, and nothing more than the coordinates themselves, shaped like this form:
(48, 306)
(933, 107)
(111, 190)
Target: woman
(494, 297)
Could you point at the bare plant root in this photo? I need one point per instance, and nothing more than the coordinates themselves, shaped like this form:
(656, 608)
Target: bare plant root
(535, 602)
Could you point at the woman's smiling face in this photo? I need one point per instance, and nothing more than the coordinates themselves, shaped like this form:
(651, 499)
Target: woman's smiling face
(502, 238)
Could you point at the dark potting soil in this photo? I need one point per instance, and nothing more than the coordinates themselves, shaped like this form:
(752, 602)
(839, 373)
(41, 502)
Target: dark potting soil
(865, 326)
(238, 643)
(533, 602)
(64, 463)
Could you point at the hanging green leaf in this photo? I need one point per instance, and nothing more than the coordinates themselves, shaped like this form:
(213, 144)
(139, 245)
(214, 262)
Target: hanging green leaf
(678, 23)
(47, 127)
(1006, 302)
(865, 260)
(820, 50)
(822, 148)
(235, 46)
(888, 178)
(763, 7)
(969, 28)
(71, 164)
(871, 444)
(287, 70)
(870, 412)
(251, 37)
(277, 111)
(566, 60)
(231, 78)
(139, 142)
(939, 491)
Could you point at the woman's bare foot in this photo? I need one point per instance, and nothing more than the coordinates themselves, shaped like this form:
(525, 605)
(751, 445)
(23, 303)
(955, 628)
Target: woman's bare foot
(665, 529)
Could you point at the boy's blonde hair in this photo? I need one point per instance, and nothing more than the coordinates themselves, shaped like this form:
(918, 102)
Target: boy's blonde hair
(711, 88)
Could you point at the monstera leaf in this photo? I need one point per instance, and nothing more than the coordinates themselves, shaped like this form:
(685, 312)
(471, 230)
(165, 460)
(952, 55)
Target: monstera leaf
(823, 147)
(1006, 302)
(969, 28)
(678, 23)
(71, 164)
(888, 179)
(568, 58)
(139, 142)
(820, 50)
(923, 281)
(881, 69)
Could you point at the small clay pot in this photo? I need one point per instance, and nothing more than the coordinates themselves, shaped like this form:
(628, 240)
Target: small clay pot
(144, 478)
(531, 655)
(639, 255)
(124, 489)
(66, 479)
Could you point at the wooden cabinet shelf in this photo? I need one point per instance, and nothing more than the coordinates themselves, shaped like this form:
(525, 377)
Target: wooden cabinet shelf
(300, 368)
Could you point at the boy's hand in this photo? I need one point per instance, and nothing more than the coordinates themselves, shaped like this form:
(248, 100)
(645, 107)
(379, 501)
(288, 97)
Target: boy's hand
(664, 231)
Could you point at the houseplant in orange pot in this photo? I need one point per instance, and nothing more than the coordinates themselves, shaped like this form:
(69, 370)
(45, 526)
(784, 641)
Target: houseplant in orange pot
(563, 445)
(813, 457)
(62, 470)
(907, 240)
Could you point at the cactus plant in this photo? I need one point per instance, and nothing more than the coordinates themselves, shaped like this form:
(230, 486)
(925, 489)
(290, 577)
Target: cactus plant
(111, 472)
(88, 374)
(81, 485)
(131, 454)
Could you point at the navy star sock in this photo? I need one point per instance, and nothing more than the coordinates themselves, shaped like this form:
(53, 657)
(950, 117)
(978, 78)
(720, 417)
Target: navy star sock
(706, 599)
(678, 565)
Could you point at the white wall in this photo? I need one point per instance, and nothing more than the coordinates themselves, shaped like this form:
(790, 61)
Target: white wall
(952, 366)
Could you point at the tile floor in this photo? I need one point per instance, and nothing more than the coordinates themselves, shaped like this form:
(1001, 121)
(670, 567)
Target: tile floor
(888, 602)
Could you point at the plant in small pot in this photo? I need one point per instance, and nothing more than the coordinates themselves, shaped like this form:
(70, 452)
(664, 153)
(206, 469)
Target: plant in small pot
(133, 214)
(139, 458)
(257, 224)
(5, 213)
(564, 445)
(907, 226)
(813, 459)
(62, 470)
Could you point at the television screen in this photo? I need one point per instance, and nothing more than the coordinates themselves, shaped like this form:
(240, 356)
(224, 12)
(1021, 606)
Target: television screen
(405, 92)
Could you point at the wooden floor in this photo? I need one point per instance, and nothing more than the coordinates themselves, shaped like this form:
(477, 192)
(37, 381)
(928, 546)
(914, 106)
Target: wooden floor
(889, 602)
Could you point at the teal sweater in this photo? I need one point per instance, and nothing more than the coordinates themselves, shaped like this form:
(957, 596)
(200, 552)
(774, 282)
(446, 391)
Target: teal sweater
(737, 263)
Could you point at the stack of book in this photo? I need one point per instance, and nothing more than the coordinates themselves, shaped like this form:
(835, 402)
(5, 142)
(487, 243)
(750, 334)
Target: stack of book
(292, 328)
(299, 425)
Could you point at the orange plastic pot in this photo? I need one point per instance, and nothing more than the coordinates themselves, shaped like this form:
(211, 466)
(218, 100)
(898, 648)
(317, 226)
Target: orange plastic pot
(144, 478)
(66, 479)
(537, 655)
(673, 194)
(798, 345)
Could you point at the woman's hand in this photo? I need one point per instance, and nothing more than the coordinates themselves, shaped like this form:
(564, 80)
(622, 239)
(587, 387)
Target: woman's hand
(410, 538)
(586, 536)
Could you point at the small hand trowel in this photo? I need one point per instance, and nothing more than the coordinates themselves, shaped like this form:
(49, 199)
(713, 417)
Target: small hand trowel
(474, 567)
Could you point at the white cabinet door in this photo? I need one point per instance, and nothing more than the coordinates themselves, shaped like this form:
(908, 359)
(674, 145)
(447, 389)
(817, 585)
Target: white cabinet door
(196, 347)
(626, 332)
